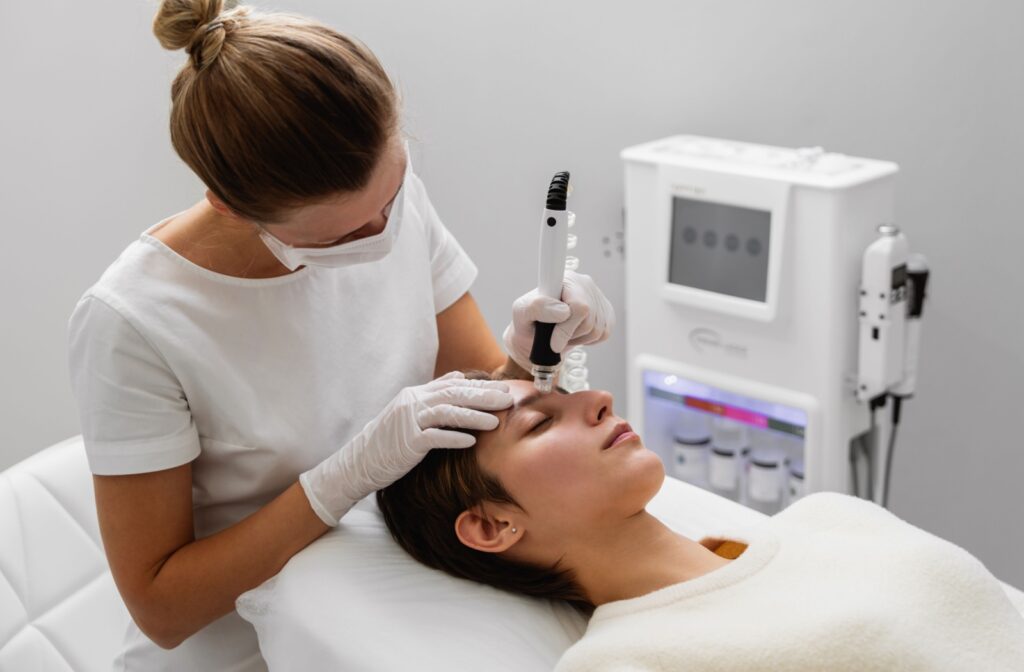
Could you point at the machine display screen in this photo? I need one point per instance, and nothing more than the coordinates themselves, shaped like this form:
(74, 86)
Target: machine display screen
(720, 248)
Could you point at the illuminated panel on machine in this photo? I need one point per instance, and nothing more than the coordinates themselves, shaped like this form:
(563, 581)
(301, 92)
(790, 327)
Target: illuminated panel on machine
(747, 410)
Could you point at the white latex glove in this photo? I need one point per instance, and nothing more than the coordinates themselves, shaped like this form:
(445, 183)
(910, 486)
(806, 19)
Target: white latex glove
(584, 316)
(418, 419)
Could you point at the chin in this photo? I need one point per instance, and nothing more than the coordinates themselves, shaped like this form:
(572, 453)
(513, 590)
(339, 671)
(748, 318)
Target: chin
(655, 471)
(644, 477)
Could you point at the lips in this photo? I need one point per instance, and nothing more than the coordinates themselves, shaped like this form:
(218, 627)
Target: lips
(620, 429)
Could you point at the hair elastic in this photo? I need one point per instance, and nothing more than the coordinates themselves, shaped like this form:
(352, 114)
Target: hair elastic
(197, 42)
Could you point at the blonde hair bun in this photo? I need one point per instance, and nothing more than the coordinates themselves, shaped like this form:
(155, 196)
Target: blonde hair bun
(197, 26)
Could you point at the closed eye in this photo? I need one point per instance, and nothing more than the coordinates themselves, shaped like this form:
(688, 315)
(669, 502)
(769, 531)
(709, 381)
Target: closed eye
(538, 425)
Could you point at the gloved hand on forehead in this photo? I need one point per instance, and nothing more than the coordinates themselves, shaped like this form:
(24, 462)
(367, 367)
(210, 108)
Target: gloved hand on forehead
(416, 421)
(584, 316)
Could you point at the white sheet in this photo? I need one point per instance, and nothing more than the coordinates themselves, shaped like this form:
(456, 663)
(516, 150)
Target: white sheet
(353, 600)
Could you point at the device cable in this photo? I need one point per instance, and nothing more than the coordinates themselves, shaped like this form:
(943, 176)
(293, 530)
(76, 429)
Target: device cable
(897, 403)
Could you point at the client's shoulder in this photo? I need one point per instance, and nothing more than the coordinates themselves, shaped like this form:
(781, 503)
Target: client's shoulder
(833, 508)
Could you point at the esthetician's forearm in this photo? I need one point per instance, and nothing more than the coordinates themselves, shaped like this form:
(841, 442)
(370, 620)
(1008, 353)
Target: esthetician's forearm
(200, 582)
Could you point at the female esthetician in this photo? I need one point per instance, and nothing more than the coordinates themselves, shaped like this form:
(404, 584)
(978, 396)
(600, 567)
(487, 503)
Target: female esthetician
(254, 366)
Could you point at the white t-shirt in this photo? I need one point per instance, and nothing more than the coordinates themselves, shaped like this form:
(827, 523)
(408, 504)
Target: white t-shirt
(831, 583)
(251, 380)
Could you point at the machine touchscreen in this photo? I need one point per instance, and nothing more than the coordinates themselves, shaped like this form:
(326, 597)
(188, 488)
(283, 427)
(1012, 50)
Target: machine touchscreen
(720, 248)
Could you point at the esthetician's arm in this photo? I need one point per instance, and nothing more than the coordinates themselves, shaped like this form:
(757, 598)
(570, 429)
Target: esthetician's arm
(174, 585)
(465, 342)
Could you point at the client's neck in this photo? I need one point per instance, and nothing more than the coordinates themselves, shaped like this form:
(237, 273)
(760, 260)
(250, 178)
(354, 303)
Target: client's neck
(637, 557)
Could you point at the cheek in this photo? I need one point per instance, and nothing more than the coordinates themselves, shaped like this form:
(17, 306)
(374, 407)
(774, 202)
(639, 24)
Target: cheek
(556, 473)
(575, 485)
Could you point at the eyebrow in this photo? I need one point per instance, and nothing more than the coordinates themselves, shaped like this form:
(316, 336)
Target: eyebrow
(527, 401)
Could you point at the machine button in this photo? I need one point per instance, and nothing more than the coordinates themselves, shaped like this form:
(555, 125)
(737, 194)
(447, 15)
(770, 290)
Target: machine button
(834, 164)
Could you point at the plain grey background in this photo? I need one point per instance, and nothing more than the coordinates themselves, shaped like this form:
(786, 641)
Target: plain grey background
(502, 94)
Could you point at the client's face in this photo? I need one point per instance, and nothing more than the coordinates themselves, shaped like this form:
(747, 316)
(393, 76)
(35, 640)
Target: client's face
(569, 461)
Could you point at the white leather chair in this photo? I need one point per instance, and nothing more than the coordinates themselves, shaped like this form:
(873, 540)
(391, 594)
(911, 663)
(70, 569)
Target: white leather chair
(59, 609)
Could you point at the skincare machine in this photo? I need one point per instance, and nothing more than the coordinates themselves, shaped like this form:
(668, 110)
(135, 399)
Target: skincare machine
(773, 309)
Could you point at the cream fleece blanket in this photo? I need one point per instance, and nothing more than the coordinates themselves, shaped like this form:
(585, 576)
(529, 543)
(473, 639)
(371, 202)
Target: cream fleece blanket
(831, 583)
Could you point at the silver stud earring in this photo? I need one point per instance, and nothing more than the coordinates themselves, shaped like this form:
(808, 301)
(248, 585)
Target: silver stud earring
(513, 530)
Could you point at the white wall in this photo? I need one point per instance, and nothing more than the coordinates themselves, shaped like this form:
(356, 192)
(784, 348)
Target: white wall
(501, 95)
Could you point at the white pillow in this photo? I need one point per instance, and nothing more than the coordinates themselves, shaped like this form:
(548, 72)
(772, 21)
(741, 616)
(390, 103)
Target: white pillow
(354, 600)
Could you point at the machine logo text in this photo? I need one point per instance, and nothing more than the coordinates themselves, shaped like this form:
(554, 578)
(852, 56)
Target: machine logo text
(706, 340)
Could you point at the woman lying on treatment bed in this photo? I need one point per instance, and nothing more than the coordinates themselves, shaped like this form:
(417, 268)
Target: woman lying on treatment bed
(552, 503)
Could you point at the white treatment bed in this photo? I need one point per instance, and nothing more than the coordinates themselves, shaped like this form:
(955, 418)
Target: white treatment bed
(352, 600)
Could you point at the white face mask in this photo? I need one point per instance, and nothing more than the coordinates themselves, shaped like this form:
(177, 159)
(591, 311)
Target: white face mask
(361, 251)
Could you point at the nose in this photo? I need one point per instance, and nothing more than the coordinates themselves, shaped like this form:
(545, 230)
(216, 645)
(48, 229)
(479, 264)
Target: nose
(597, 405)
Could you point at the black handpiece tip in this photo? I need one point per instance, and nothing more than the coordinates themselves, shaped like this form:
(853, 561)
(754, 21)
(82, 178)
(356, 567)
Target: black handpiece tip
(558, 192)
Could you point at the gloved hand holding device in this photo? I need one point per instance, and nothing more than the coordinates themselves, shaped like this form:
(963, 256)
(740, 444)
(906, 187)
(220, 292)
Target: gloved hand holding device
(584, 316)
(417, 420)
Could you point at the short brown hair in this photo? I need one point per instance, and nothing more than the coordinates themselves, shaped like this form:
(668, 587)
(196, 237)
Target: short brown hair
(421, 508)
(273, 111)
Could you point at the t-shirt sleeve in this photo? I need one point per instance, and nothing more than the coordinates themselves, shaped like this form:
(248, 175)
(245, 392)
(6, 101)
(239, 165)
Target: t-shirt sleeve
(452, 270)
(133, 411)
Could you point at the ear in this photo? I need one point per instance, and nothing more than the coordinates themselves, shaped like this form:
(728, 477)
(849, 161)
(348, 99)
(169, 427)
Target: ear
(486, 532)
(219, 205)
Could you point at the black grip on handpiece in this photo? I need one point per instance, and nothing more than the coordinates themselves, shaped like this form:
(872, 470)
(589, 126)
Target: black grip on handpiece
(918, 283)
(541, 353)
(558, 191)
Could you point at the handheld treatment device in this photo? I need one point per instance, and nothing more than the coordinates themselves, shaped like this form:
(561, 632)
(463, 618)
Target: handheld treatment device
(554, 237)
(917, 280)
(891, 302)
(883, 313)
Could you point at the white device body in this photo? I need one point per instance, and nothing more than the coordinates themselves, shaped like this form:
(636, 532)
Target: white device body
(883, 315)
(771, 337)
(554, 240)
